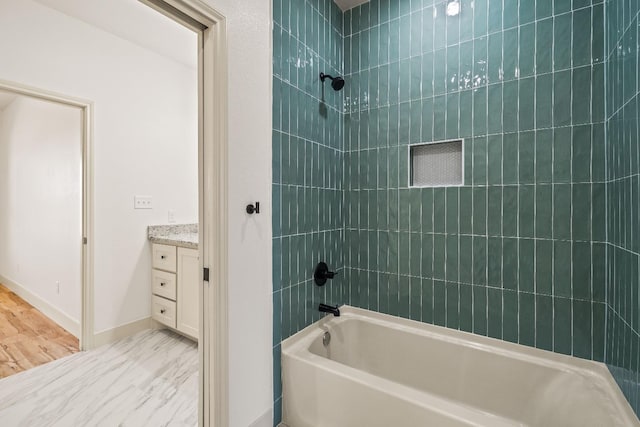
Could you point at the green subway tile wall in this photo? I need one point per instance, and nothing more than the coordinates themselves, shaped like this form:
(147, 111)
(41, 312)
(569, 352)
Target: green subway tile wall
(539, 245)
(307, 165)
(518, 251)
(623, 203)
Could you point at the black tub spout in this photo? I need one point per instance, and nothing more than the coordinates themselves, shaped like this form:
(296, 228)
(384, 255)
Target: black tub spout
(324, 308)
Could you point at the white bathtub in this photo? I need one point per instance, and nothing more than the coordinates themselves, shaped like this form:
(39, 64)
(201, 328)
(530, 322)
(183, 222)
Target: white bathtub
(384, 371)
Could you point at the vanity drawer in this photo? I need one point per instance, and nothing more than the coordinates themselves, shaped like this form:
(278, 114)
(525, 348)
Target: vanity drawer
(163, 311)
(164, 257)
(163, 284)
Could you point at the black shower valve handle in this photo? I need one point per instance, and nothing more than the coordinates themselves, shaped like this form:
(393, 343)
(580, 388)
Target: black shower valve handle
(321, 274)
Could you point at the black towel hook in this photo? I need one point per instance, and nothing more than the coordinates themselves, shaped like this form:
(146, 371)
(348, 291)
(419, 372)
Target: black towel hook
(251, 209)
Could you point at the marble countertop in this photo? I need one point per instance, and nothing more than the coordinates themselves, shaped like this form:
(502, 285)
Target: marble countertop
(183, 235)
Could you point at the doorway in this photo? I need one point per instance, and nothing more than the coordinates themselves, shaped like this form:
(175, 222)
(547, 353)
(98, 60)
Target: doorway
(69, 116)
(212, 154)
(213, 184)
(40, 225)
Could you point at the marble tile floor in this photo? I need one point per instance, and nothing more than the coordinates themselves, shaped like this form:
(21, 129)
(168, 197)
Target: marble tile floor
(149, 379)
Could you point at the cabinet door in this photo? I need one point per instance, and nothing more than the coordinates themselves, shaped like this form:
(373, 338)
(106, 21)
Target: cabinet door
(188, 292)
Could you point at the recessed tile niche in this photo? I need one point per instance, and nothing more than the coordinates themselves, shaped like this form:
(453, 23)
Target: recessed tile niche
(436, 165)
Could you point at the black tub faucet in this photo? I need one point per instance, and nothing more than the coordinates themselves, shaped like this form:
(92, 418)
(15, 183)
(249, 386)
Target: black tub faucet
(324, 308)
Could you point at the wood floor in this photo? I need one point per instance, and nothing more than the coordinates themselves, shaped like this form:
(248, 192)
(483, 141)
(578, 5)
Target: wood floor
(27, 337)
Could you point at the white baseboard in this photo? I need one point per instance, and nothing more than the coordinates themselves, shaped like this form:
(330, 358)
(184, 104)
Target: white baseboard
(120, 332)
(266, 420)
(58, 316)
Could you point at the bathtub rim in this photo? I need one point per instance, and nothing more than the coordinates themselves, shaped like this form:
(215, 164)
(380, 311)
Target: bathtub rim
(298, 345)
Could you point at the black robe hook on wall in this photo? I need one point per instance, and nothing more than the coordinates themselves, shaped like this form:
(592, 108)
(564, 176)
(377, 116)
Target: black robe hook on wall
(251, 208)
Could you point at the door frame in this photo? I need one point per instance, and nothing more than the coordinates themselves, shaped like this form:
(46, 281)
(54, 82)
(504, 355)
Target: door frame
(210, 25)
(86, 338)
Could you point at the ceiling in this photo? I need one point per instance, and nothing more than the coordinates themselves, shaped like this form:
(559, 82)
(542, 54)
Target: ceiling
(139, 24)
(349, 4)
(135, 22)
(6, 98)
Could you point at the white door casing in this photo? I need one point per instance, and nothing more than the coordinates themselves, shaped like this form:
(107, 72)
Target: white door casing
(212, 189)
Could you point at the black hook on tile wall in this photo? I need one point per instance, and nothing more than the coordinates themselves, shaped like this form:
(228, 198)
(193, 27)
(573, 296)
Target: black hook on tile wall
(251, 208)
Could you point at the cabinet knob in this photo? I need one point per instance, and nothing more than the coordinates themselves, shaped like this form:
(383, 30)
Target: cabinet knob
(162, 311)
(162, 283)
(162, 257)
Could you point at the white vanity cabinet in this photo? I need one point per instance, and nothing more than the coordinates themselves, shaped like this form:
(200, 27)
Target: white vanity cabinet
(188, 280)
(174, 284)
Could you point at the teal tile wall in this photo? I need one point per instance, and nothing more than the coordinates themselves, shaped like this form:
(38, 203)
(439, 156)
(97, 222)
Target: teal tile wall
(623, 203)
(307, 165)
(519, 251)
(540, 244)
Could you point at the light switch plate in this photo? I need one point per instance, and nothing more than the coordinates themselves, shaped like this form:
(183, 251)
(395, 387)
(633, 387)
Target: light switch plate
(143, 202)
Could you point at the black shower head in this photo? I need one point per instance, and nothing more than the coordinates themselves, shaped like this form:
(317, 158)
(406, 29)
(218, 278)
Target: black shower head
(337, 83)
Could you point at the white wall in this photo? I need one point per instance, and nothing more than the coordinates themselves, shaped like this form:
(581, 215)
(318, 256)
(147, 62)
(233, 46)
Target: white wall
(250, 98)
(145, 138)
(41, 202)
(250, 104)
